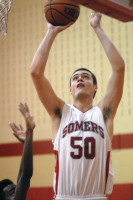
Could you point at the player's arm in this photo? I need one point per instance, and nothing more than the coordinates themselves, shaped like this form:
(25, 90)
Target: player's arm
(26, 166)
(45, 92)
(20, 134)
(114, 90)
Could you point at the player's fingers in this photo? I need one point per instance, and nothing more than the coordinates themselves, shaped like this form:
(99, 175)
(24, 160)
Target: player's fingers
(26, 107)
(27, 115)
(21, 108)
(92, 15)
(13, 126)
(21, 105)
(21, 127)
(68, 25)
(16, 135)
(19, 138)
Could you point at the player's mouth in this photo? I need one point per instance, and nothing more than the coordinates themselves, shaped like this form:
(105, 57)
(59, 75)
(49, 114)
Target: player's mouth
(80, 85)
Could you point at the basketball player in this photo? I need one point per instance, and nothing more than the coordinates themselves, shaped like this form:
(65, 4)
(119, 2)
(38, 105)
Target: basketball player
(8, 190)
(82, 132)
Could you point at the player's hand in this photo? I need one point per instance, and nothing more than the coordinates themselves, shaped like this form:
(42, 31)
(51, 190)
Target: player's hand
(28, 118)
(58, 29)
(18, 132)
(95, 19)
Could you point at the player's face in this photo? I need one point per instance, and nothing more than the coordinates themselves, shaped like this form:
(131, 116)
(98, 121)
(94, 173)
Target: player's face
(9, 191)
(82, 84)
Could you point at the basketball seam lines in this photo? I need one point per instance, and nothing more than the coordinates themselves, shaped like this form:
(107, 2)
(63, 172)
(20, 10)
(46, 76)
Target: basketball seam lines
(61, 14)
(55, 23)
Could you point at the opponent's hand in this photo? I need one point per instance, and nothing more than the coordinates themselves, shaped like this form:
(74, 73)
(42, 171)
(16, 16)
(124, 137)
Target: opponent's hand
(95, 19)
(18, 132)
(28, 118)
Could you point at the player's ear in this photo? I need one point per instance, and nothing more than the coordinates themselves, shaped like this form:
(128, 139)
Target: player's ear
(95, 88)
(70, 90)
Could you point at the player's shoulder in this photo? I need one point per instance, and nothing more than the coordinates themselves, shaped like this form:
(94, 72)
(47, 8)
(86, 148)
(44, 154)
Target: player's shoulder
(97, 108)
(97, 111)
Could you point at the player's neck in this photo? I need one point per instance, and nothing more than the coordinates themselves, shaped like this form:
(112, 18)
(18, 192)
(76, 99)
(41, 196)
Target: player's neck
(83, 105)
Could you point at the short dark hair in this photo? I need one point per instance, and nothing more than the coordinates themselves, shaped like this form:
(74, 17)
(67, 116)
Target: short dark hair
(3, 184)
(93, 76)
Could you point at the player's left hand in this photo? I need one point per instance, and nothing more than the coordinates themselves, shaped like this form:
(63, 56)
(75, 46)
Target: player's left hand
(95, 19)
(18, 132)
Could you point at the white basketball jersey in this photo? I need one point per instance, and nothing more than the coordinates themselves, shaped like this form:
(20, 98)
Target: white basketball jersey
(82, 147)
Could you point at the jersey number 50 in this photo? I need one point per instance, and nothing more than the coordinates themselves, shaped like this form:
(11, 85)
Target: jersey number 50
(88, 146)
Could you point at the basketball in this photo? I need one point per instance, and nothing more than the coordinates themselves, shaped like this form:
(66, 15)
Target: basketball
(61, 12)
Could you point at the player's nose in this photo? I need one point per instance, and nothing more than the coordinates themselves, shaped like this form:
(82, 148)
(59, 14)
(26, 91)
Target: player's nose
(80, 78)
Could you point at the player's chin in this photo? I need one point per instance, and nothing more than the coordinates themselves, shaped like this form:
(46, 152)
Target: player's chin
(81, 94)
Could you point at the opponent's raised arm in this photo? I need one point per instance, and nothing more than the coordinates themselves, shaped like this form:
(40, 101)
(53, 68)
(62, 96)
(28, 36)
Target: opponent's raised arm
(43, 87)
(26, 166)
(114, 89)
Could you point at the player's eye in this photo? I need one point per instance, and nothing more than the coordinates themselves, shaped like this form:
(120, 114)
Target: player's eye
(75, 78)
(85, 77)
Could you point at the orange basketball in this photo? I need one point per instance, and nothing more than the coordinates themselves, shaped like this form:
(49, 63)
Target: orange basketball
(61, 12)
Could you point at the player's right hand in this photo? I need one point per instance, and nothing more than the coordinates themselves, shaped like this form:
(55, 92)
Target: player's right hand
(28, 118)
(95, 19)
(58, 29)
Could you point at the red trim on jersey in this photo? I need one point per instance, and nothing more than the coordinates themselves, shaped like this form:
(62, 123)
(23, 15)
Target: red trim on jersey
(81, 110)
(107, 168)
(57, 172)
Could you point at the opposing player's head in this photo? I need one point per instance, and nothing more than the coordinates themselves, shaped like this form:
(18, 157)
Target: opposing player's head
(7, 189)
(83, 78)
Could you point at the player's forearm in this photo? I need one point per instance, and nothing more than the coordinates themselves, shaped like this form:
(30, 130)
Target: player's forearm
(26, 167)
(113, 55)
(40, 59)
